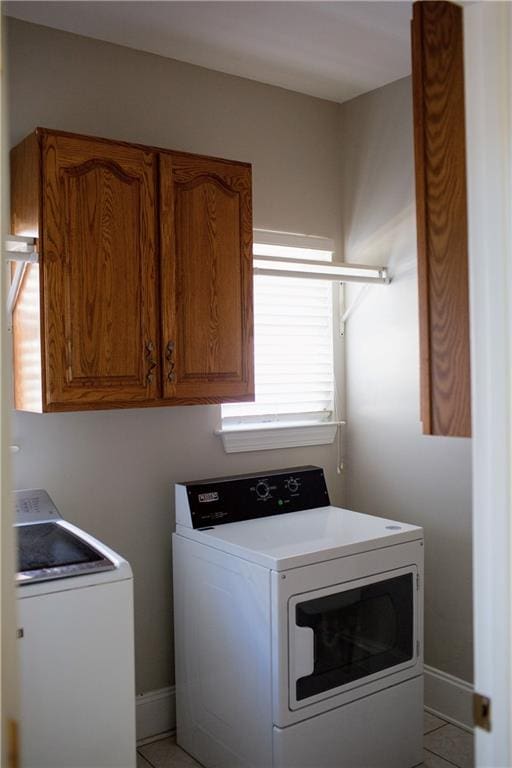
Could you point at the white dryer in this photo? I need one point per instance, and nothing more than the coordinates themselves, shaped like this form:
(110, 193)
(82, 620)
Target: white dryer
(298, 627)
(76, 646)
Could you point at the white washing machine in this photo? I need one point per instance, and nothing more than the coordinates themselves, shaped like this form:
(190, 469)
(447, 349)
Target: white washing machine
(298, 627)
(76, 645)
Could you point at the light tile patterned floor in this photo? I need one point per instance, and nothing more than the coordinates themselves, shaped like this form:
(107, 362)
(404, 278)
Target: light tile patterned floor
(445, 745)
(452, 744)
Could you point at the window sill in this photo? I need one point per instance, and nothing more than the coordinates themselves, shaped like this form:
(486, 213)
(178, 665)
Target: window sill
(268, 436)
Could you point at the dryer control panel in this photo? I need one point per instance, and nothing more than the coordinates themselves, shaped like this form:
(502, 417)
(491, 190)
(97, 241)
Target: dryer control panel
(246, 497)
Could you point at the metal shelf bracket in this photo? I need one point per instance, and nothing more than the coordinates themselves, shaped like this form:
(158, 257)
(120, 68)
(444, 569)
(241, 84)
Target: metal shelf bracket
(22, 251)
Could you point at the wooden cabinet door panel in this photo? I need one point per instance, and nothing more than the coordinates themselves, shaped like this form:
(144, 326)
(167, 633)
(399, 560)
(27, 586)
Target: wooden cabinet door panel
(99, 272)
(206, 249)
(443, 272)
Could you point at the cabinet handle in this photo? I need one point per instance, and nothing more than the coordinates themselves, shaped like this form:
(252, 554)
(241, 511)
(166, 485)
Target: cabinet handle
(169, 356)
(151, 361)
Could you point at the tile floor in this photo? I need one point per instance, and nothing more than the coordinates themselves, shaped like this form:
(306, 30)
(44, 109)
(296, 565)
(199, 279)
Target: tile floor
(445, 746)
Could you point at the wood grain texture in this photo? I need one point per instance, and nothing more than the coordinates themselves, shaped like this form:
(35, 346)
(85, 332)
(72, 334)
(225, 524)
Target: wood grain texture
(25, 187)
(99, 242)
(88, 325)
(206, 268)
(438, 95)
(102, 405)
(27, 328)
(134, 145)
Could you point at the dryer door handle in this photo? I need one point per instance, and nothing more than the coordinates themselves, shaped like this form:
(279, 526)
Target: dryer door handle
(303, 651)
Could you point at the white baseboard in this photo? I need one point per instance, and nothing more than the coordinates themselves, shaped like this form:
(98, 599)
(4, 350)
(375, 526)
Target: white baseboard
(155, 713)
(449, 697)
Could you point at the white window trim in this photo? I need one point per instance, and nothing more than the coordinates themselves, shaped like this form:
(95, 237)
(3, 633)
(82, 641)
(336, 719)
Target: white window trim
(278, 434)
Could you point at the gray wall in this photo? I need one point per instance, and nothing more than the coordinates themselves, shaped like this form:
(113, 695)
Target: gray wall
(393, 470)
(111, 472)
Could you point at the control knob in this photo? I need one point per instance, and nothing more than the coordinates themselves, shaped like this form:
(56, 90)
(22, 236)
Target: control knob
(293, 485)
(262, 489)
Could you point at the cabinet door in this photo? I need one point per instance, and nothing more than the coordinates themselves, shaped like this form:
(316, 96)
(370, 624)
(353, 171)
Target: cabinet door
(206, 276)
(99, 274)
(439, 133)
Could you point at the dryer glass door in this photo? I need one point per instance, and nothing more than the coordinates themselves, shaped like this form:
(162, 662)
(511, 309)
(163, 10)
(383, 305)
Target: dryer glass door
(350, 634)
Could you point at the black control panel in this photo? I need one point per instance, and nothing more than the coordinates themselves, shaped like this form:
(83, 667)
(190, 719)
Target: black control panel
(246, 497)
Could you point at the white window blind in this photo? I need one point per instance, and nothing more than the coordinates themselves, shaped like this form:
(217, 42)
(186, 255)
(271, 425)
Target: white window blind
(293, 335)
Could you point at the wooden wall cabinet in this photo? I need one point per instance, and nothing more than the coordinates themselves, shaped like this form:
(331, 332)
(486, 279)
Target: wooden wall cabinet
(206, 258)
(143, 291)
(440, 165)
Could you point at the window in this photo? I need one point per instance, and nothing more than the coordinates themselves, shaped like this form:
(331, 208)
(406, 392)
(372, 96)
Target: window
(293, 344)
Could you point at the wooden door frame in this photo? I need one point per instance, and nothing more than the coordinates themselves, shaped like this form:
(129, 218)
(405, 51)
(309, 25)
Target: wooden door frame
(488, 67)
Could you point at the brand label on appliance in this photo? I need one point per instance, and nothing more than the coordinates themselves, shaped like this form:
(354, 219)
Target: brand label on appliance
(205, 497)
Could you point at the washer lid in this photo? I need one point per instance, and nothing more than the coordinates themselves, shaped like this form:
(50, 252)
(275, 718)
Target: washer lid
(49, 550)
(304, 537)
